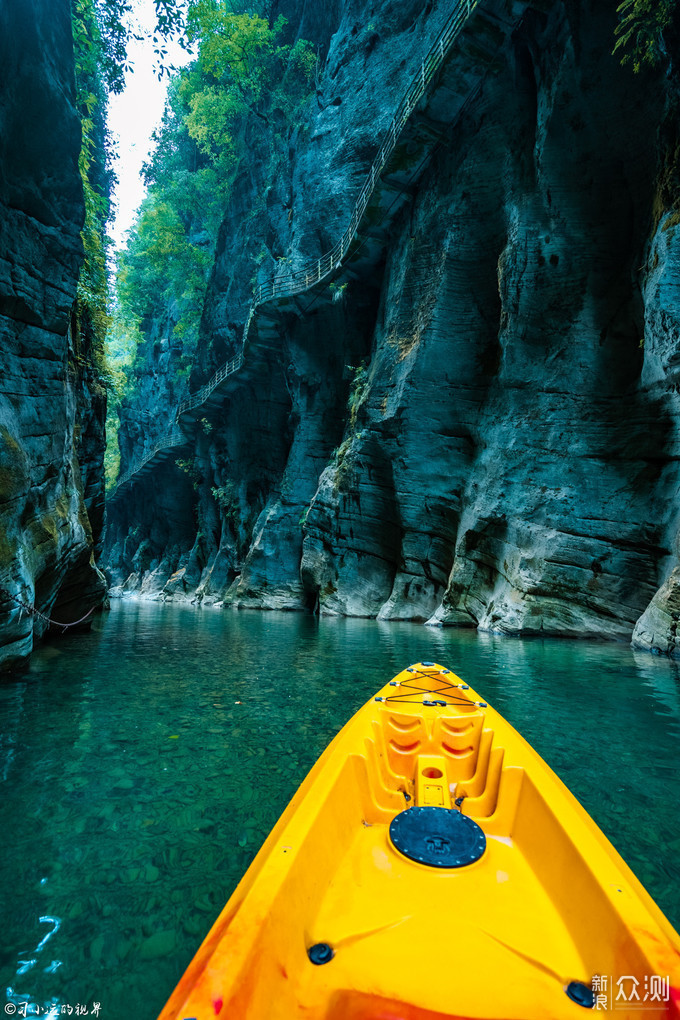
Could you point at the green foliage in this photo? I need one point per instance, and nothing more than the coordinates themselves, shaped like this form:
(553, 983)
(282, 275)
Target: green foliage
(92, 294)
(162, 264)
(101, 34)
(342, 457)
(247, 64)
(247, 77)
(358, 392)
(337, 291)
(245, 73)
(112, 452)
(640, 30)
(341, 461)
(121, 347)
(190, 468)
(227, 499)
(115, 32)
(163, 271)
(179, 171)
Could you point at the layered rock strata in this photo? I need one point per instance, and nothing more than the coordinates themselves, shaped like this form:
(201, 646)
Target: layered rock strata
(52, 403)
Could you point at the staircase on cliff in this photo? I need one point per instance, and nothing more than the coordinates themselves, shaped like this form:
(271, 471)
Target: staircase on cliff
(480, 28)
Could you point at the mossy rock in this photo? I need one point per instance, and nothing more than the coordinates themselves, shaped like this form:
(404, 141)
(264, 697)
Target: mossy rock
(12, 465)
(667, 193)
(672, 221)
(62, 507)
(7, 549)
(84, 520)
(42, 531)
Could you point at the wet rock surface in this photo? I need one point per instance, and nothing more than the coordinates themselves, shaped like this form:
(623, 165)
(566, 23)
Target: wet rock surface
(480, 428)
(52, 403)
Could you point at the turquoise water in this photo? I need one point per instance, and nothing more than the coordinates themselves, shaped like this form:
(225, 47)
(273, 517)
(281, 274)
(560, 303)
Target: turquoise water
(142, 765)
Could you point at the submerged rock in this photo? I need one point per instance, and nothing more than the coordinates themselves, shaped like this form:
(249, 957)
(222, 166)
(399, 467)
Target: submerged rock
(160, 944)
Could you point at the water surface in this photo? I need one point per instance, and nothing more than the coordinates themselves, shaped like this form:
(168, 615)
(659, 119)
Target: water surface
(142, 765)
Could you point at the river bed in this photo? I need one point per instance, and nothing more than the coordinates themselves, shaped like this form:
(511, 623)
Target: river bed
(142, 765)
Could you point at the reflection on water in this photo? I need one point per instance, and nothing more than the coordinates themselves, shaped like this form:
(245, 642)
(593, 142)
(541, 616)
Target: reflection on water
(141, 766)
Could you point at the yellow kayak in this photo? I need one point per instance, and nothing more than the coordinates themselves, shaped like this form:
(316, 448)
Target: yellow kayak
(432, 866)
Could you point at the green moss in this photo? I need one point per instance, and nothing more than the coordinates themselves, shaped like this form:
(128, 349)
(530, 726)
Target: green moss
(667, 191)
(11, 443)
(342, 463)
(41, 531)
(672, 221)
(84, 520)
(7, 550)
(358, 392)
(62, 507)
(12, 464)
(342, 458)
(9, 484)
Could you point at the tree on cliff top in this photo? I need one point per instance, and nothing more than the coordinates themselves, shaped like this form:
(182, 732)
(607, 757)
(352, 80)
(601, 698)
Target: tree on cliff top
(248, 80)
(114, 24)
(640, 30)
(247, 72)
(101, 34)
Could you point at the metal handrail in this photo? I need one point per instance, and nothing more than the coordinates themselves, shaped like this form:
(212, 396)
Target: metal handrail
(299, 280)
(200, 396)
(289, 284)
(169, 439)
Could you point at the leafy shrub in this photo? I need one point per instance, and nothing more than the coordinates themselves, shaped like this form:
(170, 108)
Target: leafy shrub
(640, 30)
(226, 498)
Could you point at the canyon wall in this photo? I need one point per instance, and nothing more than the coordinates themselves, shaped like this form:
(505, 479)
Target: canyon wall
(52, 402)
(479, 428)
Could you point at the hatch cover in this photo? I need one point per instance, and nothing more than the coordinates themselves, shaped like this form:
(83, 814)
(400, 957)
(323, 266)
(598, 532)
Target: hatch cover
(437, 836)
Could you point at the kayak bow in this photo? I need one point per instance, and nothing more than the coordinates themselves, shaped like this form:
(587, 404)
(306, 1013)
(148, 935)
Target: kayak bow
(432, 867)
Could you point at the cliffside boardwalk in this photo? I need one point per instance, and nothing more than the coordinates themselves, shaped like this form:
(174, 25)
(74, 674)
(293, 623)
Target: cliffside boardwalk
(291, 282)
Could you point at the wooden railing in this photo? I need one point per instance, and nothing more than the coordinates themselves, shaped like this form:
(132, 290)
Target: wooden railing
(296, 281)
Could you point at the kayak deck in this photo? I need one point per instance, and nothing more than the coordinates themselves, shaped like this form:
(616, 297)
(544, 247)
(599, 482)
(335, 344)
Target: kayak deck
(459, 945)
(547, 903)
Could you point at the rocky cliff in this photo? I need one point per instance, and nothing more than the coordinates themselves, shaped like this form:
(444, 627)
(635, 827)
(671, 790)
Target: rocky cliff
(476, 426)
(52, 403)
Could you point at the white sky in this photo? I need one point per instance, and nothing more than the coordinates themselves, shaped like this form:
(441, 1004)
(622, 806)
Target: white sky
(132, 118)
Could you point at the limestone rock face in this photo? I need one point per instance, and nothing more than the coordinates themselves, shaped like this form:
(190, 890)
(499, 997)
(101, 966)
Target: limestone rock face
(264, 448)
(52, 407)
(481, 430)
(505, 434)
(657, 627)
